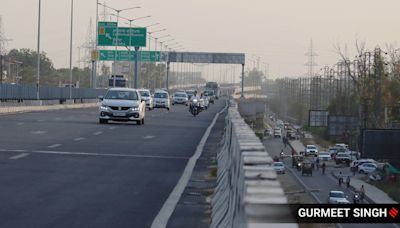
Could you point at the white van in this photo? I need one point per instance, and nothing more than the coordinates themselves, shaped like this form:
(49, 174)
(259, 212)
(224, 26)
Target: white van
(161, 99)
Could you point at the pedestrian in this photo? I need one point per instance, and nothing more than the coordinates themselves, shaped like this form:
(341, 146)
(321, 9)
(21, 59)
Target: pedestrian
(340, 179)
(362, 191)
(317, 162)
(348, 182)
(323, 168)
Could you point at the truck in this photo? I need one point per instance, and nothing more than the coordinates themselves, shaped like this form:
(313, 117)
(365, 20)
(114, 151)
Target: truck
(214, 87)
(120, 81)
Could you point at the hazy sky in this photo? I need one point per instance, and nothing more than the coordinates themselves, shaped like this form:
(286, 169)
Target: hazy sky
(279, 31)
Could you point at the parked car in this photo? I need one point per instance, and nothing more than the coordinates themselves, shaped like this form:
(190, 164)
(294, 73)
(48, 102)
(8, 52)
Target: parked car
(146, 95)
(367, 168)
(342, 158)
(279, 167)
(161, 99)
(337, 197)
(354, 164)
(180, 98)
(311, 150)
(122, 104)
(324, 156)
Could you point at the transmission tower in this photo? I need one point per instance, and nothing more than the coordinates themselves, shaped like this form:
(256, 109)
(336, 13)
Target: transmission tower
(311, 60)
(89, 44)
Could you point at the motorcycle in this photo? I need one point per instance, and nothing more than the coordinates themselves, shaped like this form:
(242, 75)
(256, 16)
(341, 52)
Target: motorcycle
(357, 198)
(299, 166)
(194, 107)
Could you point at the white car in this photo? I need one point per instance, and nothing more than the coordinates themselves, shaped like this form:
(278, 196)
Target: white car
(324, 156)
(311, 150)
(146, 95)
(180, 98)
(337, 197)
(122, 104)
(367, 168)
(279, 167)
(161, 99)
(277, 133)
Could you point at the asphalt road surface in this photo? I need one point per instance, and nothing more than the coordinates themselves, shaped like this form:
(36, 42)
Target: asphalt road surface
(63, 169)
(318, 184)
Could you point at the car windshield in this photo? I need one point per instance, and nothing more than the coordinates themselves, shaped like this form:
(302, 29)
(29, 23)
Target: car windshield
(337, 194)
(180, 95)
(144, 94)
(160, 95)
(121, 95)
(311, 147)
(278, 164)
(324, 154)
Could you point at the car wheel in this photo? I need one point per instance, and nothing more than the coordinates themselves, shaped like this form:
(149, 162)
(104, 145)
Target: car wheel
(173, 103)
(361, 171)
(168, 109)
(138, 122)
(143, 120)
(101, 121)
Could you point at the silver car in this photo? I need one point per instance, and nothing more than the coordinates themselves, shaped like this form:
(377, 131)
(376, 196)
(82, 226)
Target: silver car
(122, 104)
(146, 95)
(180, 98)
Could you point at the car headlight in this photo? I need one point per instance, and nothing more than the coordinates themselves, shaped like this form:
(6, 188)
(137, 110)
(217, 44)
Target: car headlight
(104, 107)
(135, 108)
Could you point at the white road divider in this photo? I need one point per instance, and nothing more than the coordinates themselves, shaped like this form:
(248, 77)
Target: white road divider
(22, 109)
(248, 193)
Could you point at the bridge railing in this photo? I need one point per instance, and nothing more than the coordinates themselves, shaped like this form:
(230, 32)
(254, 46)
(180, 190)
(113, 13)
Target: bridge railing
(248, 193)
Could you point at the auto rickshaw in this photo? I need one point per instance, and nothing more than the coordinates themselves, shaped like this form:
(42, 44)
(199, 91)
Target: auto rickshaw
(297, 160)
(307, 168)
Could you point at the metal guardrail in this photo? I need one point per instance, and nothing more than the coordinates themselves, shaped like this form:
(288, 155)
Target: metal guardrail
(248, 193)
(28, 92)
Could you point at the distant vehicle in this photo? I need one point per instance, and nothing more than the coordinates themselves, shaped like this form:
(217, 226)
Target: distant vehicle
(332, 151)
(279, 167)
(277, 133)
(161, 99)
(215, 87)
(306, 168)
(120, 81)
(210, 94)
(180, 98)
(342, 145)
(324, 156)
(342, 158)
(367, 168)
(190, 93)
(122, 104)
(337, 197)
(311, 150)
(145, 94)
(268, 132)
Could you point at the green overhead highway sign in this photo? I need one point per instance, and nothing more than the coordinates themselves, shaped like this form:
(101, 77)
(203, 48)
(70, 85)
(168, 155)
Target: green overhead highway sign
(145, 56)
(134, 37)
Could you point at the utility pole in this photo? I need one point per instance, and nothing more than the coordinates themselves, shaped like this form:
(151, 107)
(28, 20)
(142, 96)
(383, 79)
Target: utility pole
(38, 57)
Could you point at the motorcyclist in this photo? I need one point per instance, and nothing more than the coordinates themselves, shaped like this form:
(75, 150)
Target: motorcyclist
(323, 168)
(194, 97)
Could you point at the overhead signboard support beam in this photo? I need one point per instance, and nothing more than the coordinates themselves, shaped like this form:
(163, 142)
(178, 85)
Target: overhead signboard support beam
(136, 67)
(242, 94)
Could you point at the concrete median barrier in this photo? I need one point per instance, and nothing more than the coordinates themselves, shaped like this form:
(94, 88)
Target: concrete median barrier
(248, 193)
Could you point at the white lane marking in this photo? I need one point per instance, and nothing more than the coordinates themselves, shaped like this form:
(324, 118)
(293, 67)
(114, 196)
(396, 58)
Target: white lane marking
(96, 154)
(54, 146)
(18, 151)
(40, 120)
(161, 220)
(149, 137)
(107, 154)
(19, 156)
(20, 123)
(38, 132)
(98, 133)
(111, 128)
(79, 139)
(57, 118)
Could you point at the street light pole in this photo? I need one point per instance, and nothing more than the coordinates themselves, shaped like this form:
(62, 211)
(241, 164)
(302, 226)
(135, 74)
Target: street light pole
(70, 50)
(38, 57)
